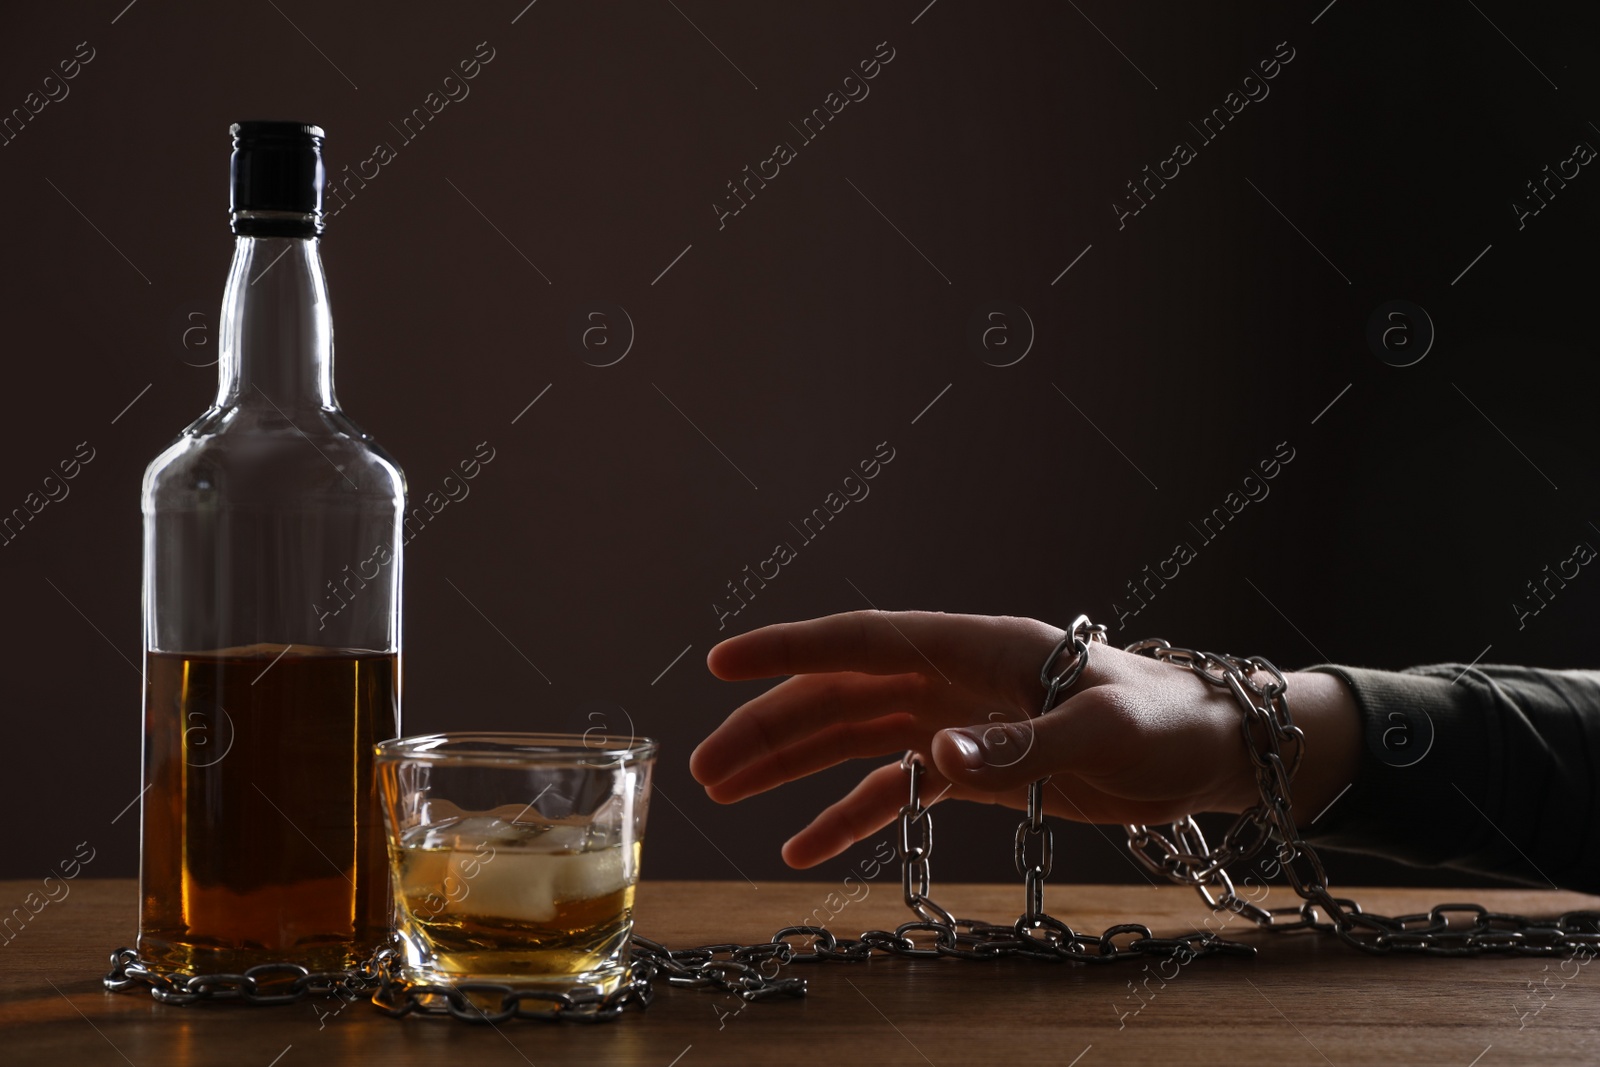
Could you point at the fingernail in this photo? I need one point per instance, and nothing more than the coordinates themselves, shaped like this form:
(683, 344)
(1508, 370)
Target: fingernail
(971, 754)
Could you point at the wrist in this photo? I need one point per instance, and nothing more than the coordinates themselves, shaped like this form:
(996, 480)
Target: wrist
(1322, 706)
(1325, 710)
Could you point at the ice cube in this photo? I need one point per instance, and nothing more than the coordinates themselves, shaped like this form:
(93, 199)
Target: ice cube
(516, 885)
(486, 866)
(590, 874)
(526, 885)
(471, 833)
(560, 837)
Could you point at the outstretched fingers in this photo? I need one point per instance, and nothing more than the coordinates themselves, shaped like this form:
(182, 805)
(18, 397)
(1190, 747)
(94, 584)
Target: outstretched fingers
(875, 803)
(827, 747)
(987, 653)
(798, 708)
(869, 807)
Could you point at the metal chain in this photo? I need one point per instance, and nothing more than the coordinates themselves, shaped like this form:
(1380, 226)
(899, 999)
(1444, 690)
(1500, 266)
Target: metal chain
(1180, 853)
(265, 983)
(1033, 828)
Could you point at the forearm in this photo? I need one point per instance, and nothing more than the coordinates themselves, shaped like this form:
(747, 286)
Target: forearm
(1491, 769)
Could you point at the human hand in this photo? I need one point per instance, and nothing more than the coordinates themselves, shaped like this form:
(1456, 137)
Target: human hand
(1136, 741)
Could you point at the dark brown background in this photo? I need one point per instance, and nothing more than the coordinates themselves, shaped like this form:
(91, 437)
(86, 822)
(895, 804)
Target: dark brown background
(808, 331)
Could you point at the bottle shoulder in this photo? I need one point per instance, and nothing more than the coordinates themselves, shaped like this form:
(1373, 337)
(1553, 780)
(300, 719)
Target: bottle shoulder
(274, 456)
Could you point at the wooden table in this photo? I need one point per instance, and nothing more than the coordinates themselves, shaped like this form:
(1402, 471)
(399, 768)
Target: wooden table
(1301, 1000)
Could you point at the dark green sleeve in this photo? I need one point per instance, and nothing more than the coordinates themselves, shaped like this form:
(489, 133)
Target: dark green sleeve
(1489, 769)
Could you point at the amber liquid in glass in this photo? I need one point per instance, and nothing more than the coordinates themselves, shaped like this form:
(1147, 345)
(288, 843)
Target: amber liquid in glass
(483, 900)
(262, 831)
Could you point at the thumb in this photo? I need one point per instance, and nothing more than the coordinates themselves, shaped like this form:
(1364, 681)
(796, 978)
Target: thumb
(996, 756)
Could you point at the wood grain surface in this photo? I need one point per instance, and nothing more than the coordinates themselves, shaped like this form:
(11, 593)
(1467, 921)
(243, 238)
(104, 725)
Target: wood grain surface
(1300, 1000)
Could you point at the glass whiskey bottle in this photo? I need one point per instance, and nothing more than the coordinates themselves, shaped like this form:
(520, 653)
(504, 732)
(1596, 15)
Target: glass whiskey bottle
(272, 618)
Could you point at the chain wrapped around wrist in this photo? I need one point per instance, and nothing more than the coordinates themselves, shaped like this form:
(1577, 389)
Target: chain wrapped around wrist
(1179, 853)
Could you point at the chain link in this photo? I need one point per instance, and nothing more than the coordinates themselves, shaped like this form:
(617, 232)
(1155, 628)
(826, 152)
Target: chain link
(1178, 853)
(915, 875)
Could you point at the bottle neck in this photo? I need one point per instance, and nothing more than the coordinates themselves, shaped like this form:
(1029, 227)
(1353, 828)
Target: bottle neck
(276, 337)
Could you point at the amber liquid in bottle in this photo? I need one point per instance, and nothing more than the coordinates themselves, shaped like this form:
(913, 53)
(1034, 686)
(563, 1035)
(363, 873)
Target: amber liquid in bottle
(300, 874)
(272, 619)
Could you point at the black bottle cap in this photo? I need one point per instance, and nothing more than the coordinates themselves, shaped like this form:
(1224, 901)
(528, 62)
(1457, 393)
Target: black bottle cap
(277, 179)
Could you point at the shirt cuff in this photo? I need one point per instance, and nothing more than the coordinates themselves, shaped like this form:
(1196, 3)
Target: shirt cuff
(1422, 744)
